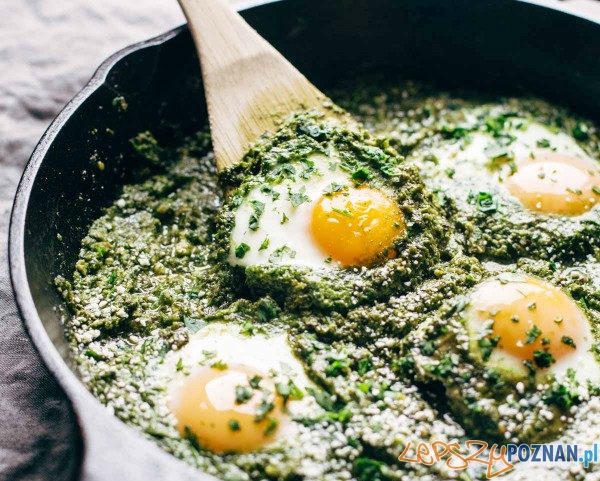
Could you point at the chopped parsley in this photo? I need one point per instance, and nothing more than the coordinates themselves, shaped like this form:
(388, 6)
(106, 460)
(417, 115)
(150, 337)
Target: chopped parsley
(278, 254)
(243, 394)
(364, 366)
(334, 188)
(533, 334)
(581, 132)
(543, 359)
(255, 381)
(266, 311)
(337, 366)
(220, 365)
(247, 328)
(271, 426)
(454, 132)
(485, 201)
(563, 394)
(298, 198)
(568, 341)
(258, 208)
(344, 212)
(267, 189)
(264, 408)
(289, 391)
(234, 425)
(241, 250)
(487, 345)
(264, 245)
(362, 174)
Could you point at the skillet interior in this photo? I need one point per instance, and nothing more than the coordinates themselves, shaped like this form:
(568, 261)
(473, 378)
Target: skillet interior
(502, 45)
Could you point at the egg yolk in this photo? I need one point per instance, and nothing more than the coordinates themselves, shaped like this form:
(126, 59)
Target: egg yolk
(227, 410)
(356, 226)
(530, 319)
(556, 184)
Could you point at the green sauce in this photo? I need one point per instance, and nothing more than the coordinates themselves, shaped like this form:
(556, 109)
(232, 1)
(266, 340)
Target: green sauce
(385, 345)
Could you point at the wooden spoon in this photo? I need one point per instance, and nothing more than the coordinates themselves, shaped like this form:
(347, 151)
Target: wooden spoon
(250, 87)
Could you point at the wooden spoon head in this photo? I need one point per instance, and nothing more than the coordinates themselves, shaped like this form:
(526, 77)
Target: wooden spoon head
(249, 98)
(250, 87)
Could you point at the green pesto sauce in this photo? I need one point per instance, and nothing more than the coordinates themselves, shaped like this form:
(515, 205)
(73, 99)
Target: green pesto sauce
(385, 346)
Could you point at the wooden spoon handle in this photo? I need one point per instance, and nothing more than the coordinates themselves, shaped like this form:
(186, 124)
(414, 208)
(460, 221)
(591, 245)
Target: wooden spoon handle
(249, 85)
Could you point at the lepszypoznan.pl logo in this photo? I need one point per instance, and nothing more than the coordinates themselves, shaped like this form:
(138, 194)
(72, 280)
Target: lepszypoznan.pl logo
(497, 459)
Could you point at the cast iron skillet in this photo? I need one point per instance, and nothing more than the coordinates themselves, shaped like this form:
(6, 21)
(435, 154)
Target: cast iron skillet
(502, 45)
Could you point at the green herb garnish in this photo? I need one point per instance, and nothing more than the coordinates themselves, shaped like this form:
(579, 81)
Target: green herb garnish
(543, 359)
(255, 381)
(243, 394)
(278, 254)
(334, 188)
(289, 391)
(487, 345)
(264, 408)
(264, 245)
(361, 174)
(271, 426)
(344, 212)
(258, 208)
(299, 197)
(219, 365)
(241, 250)
(533, 334)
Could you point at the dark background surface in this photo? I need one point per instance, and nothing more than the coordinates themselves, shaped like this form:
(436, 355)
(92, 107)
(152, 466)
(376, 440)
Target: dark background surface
(48, 50)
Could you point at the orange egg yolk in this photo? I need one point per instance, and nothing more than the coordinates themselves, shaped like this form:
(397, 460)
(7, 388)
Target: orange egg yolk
(528, 316)
(357, 226)
(556, 184)
(225, 412)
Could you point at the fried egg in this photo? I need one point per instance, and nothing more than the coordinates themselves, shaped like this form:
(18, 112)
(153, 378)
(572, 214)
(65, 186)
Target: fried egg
(322, 219)
(521, 324)
(236, 393)
(544, 170)
(555, 183)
